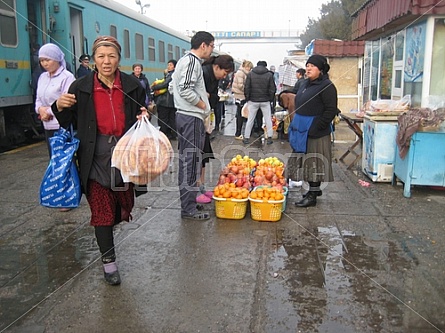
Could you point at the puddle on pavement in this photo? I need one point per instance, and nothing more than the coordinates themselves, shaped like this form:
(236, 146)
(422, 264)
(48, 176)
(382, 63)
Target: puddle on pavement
(323, 280)
(33, 271)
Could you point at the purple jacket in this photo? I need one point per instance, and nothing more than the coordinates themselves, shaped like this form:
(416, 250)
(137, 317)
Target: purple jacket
(49, 88)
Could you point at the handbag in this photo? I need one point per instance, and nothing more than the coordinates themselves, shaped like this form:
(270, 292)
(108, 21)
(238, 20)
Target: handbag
(60, 187)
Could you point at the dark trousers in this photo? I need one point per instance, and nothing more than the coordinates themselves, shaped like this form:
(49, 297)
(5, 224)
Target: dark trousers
(167, 121)
(240, 120)
(219, 113)
(191, 137)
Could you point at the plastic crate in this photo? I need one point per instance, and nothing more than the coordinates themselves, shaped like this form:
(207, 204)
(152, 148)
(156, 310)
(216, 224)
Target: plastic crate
(269, 211)
(231, 209)
(286, 190)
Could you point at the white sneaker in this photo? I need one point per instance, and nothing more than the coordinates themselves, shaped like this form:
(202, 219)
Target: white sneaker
(241, 137)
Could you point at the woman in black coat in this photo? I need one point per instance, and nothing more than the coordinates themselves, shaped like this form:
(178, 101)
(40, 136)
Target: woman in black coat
(310, 129)
(102, 106)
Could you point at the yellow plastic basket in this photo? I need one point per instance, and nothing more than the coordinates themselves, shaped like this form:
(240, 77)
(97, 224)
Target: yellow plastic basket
(232, 209)
(266, 211)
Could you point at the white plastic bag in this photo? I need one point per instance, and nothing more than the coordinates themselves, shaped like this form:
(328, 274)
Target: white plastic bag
(209, 122)
(245, 111)
(142, 154)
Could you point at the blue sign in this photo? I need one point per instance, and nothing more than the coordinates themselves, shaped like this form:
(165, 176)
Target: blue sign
(236, 34)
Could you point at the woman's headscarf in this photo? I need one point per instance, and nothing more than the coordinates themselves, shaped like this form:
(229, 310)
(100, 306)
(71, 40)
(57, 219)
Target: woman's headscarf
(106, 41)
(53, 52)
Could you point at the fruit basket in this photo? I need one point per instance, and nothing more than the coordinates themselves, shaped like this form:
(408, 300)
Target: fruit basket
(285, 192)
(232, 209)
(266, 211)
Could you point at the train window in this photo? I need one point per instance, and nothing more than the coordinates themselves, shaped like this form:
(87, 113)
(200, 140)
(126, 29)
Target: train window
(8, 23)
(177, 52)
(151, 49)
(161, 46)
(113, 31)
(139, 45)
(170, 51)
(126, 43)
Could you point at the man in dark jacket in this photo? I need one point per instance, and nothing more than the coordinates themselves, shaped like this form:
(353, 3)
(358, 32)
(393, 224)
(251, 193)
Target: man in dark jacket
(301, 72)
(259, 90)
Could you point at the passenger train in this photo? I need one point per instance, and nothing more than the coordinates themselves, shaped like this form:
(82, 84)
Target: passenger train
(73, 25)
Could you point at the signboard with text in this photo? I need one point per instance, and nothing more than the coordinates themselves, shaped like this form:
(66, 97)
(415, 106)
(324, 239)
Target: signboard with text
(236, 34)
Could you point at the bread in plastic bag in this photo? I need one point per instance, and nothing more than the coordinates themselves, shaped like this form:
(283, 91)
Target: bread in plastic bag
(142, 154)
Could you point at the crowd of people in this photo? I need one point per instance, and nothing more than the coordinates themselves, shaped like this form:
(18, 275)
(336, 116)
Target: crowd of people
(102, 103)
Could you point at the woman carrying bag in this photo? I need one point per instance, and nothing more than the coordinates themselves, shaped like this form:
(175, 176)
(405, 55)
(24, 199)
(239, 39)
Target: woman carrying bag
(102, 106)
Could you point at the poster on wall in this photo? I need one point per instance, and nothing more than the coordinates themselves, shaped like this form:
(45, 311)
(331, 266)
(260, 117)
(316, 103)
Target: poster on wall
(415, 46)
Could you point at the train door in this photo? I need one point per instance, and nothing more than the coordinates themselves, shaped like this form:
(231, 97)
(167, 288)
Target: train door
(37, 22)
(36, 27)
(79, 43)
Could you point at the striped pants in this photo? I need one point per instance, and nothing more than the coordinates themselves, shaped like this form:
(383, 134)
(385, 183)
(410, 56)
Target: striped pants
(191, 136)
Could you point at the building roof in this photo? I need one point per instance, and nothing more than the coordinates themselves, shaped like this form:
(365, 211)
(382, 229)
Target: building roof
(338, 48)
(382, 17)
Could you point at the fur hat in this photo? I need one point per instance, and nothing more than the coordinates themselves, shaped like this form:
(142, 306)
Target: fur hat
(320, 62)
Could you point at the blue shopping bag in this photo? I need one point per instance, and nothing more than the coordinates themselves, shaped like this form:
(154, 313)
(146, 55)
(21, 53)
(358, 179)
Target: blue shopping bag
(60, 187)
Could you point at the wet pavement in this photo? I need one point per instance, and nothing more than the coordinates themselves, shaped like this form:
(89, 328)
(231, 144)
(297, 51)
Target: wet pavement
(365, 259)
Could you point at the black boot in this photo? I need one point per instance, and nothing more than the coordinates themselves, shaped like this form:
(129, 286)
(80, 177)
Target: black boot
(317, 193)
(113, 279)
(309, 201)
(111, 273)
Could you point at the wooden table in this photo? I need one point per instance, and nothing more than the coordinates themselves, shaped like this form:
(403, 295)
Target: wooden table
(354, 124)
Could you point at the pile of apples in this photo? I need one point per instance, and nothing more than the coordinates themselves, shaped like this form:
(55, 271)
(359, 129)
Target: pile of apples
(243, 173)
(269, 172)
(238, 172)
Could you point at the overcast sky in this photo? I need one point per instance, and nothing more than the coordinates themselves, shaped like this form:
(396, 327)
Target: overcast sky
(235, 15)
(231, 15)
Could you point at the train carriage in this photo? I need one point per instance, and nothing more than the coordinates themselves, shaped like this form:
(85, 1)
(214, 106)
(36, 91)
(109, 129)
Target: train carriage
(73, 25)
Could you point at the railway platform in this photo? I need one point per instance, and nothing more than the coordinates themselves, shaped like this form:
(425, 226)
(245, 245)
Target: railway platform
(364, 259)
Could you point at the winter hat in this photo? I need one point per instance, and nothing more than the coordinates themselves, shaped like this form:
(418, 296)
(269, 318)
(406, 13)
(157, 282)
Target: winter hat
(261, 63)
(106, 41)
(320, 62)
(53, 52)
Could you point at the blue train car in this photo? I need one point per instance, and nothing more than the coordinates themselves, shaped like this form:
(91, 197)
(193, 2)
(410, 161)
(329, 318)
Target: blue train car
(73, 25)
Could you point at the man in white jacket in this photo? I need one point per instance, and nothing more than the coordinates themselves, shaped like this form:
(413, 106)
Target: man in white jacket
(193, 107)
